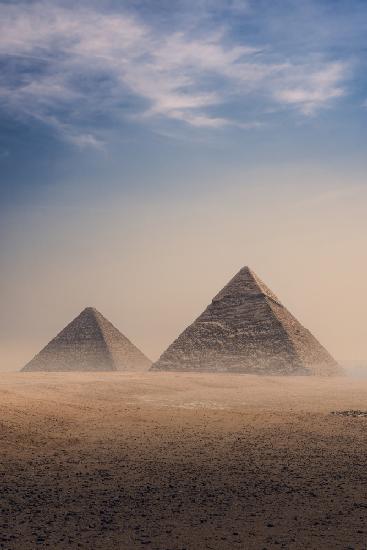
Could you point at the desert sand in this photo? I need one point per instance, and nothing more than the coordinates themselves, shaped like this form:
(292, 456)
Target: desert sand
(174, 461)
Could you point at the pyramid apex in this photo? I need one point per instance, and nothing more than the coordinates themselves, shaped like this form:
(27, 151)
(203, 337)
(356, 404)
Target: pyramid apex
(246, 268)
(246, 283)
(90, 311)
(90, 308)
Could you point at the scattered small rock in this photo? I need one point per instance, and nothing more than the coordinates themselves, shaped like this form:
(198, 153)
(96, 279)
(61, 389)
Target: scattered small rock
(353, 413)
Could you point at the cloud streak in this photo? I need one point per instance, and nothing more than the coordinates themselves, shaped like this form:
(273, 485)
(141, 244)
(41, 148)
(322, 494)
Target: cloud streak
(321, 87)
(63, 67)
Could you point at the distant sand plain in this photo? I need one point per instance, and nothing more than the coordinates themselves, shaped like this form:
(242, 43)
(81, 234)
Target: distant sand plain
(174, 461)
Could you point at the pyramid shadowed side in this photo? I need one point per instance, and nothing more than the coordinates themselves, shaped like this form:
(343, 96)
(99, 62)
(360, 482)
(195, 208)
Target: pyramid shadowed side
(125, 355)
(247, 329)
(89, 343)
(315, 358)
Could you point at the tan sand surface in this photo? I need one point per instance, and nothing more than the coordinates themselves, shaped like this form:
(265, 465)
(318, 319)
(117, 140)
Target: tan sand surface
(181, 461)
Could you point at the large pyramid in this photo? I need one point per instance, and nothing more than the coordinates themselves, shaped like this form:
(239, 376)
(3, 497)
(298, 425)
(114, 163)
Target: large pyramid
(246, 329)
(89, 343)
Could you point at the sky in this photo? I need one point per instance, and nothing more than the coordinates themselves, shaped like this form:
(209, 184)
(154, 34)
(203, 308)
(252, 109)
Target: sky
(150, 149)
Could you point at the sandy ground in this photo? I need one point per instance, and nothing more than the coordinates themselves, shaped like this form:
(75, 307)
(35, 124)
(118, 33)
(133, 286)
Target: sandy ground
(181, 461)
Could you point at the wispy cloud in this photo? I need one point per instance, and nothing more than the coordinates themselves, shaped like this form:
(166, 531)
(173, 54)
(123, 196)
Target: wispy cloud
(69, 65)
(321, 86)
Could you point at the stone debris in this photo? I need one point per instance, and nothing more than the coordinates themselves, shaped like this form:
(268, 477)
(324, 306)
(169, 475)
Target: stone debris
(89, 343)
(350, 413)
(247, 329)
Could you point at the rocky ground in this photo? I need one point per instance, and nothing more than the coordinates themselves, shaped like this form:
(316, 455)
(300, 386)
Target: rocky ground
(182, 461)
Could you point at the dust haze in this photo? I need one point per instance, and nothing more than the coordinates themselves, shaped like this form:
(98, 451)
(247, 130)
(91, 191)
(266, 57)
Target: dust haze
(152, 265)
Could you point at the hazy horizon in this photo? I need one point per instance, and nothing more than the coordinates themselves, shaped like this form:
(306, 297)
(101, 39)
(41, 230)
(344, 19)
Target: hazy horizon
(149, 150)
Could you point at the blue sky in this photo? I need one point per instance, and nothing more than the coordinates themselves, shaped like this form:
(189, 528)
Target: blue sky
(97, 77)
(130, 104)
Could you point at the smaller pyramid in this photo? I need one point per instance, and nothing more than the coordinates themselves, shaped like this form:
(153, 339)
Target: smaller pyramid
(89, 343)
(247, 329)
